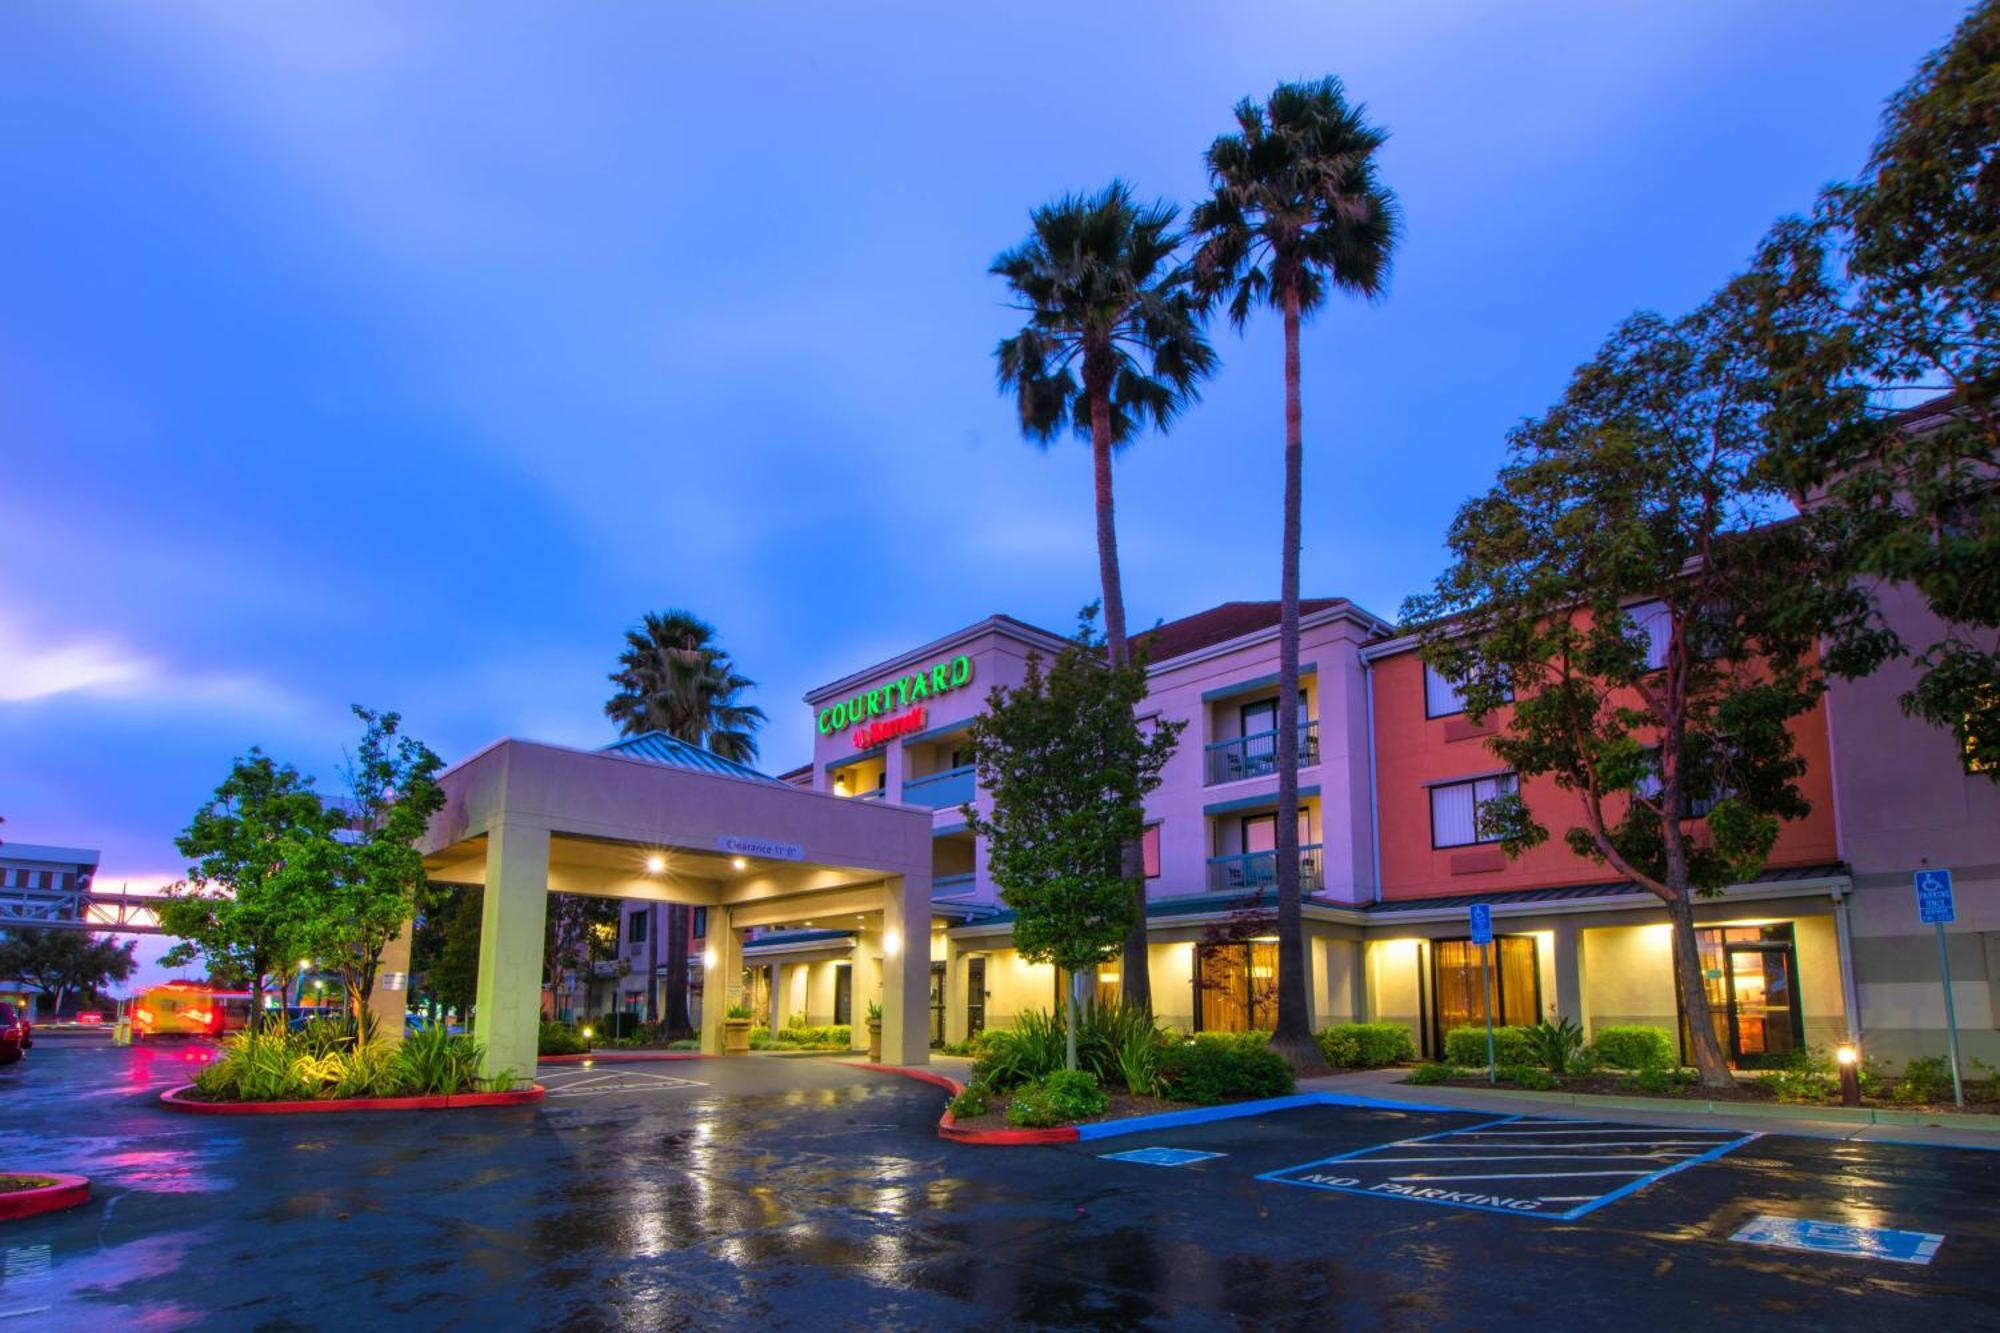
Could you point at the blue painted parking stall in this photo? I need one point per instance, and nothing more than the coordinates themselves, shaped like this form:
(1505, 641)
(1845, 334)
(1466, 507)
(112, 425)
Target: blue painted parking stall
(1521, 1165)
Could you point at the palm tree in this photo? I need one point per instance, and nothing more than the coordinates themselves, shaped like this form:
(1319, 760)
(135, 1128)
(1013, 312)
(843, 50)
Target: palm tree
(1113, 343)
(1297, 208)
(673, 677)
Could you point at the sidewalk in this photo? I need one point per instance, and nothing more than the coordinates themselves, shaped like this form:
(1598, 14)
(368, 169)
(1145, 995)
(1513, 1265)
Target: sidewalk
(1387, 1085)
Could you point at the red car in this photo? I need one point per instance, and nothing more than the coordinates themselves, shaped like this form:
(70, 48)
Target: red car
(15, 1035)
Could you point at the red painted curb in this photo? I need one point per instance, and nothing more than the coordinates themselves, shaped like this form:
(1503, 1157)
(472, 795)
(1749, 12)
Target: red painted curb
(622, 1057)
(948, 1124)
(175, 1099)
(61, 1192)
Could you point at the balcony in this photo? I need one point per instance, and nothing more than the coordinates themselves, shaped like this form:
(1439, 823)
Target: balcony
(872, 794)
(1256, 755)
(953, 886)
(1247, 872)
(951, 787)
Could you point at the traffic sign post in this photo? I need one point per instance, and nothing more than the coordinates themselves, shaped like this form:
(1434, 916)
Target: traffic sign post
(1482, 935)
(1936, 907)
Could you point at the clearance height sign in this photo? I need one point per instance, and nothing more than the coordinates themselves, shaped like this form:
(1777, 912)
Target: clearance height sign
(862, 711)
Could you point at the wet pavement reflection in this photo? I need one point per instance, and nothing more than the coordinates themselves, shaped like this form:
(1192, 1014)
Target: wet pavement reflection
(809, 1192)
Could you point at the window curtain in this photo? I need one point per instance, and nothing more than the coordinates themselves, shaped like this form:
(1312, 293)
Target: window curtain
(1452, 815)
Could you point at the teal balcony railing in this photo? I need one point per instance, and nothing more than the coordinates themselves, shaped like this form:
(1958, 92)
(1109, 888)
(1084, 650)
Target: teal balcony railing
(947, 886)
(1256, 755)
(1246, 872)
(952, 786)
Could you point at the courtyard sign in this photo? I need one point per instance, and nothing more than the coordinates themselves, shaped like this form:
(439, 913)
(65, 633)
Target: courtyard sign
(939, 678)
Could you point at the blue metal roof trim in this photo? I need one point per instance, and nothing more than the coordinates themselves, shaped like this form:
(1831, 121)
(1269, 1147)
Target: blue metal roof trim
(657, 747)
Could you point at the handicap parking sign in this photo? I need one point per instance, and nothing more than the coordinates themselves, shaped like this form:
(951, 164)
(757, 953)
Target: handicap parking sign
(1934, 901)
(1482, 923)
(1854, 1242)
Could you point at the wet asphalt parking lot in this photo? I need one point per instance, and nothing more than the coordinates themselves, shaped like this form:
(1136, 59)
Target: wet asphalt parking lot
(779, 1193)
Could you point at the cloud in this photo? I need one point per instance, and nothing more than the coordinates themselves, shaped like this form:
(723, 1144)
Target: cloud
(34, 669)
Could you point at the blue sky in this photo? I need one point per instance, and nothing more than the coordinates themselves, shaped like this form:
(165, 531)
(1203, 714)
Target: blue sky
(405, 355)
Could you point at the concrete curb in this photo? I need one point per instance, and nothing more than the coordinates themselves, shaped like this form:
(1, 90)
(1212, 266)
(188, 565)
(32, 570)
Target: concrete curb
(61, 1192)
(1838, 1115)
(947, 1126)
(621, 1057)
(175, 1099)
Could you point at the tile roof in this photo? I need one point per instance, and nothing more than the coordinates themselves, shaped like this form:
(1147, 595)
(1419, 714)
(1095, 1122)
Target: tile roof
(657, 747)
(1219, 624)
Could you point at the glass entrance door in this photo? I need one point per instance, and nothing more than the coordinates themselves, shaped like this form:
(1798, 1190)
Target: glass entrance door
(1750, 974)
(975, 997)
(937, 1004)
(843, 994)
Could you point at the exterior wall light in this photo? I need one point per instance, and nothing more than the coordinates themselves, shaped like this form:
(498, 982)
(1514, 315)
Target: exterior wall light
(891, 943)
(655, 864)
(708, 958)
(739, 863)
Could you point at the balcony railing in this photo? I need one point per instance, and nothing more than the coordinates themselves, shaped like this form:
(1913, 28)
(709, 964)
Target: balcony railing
(951, 886)
(952, 786)
(1256, 755)
(871, 794)
(1246, 872)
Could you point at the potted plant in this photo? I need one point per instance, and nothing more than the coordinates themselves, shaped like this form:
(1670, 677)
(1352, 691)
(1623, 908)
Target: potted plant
(736, 1030)
(874, 1033)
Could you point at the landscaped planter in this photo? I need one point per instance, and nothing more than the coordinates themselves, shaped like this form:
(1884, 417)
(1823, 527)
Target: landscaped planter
(36, 1192)
(736, 1036)
(178, 1099)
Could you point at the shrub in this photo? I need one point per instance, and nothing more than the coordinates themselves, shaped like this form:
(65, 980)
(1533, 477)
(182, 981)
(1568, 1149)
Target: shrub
(321, 1036)
(1924, 1079)
(1366, 1045)
(1425, 1075)
(1635, 1046)
(1065, 1096)
(560, 1039)
(1009, 1057)
(958, 1048)
(1139, 1060)
(1661, 1082)
(437, 1063)
(1104, 1033)
(742, 1011)
(284, 1066)
(684, 1044)
(1220, 1067)
(1532, 1077)
(761, 1039)
(1467, 1046)
(1556, 1045)
(971, 1101)
(1807, 1076)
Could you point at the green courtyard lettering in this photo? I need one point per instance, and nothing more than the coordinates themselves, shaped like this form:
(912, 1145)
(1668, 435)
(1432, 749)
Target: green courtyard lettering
(938, 678)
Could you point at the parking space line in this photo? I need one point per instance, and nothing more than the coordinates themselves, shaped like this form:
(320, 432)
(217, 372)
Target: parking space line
(1626, 1153)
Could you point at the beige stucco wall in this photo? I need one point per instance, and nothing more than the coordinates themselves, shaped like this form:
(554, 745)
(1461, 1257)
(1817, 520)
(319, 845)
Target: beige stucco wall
(1393, 994)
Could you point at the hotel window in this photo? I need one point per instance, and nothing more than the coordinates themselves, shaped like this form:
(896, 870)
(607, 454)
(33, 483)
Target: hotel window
(1456, 807)
(1656, 623)
(1441, 697)
(1236, 986)
(1514, 977)
(1149, 850)
(635, 927)
(1693, 805)
(700, 928)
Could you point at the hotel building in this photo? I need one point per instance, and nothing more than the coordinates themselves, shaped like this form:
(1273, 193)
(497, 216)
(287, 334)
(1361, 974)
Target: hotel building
(1823, 945)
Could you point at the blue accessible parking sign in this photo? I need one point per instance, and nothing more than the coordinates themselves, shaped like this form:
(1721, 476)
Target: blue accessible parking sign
(1799, 1233)
(1482, 923)
(1934, 901)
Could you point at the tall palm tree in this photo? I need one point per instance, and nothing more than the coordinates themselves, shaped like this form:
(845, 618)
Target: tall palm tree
(1297, 209)
(674, 677)
(1113, 343)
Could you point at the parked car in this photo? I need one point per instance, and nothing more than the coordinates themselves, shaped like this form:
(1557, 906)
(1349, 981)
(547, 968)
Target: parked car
(14, 1039)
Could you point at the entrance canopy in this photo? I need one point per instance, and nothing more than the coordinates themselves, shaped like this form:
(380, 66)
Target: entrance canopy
(524, 820)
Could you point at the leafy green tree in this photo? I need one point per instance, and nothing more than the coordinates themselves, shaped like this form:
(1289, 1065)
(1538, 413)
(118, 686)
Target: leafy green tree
(674, 677)
(1297, 210)
(1068, 767)
(1113, 343)
(59, 963)
(239, 910)
(580, 932)
(452, 974)
(1889, 287)
(1623, 595)
(364, 877)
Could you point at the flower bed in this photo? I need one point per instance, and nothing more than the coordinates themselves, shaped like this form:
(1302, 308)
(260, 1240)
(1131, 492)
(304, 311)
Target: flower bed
(324, 1066)
(188, 1098)
(27, 1194)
